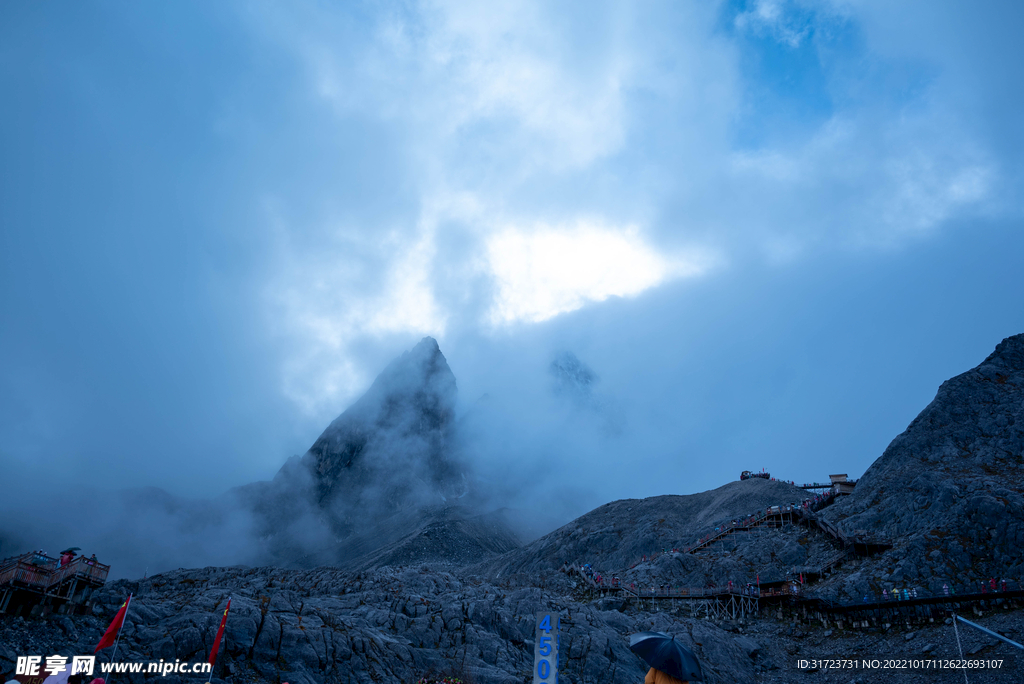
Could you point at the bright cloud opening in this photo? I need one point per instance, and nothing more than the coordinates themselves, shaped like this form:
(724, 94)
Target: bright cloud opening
(330, 302)
(552, 270)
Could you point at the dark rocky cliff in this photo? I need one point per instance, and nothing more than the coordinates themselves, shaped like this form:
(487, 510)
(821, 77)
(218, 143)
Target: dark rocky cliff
(385, 472)
(949, 491)
(392, 447)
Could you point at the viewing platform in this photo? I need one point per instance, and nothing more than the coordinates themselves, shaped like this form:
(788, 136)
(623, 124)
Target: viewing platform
(35, 583)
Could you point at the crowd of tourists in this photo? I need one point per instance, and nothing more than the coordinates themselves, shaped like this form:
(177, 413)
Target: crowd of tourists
(990, 586)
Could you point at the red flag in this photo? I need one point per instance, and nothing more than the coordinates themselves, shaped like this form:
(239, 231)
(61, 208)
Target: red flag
(220, 633)
(110, 636)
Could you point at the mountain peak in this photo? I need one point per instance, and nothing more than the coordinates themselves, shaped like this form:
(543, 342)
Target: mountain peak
(571, 376)
(390, 449)
(956, 474)
(1008, 354)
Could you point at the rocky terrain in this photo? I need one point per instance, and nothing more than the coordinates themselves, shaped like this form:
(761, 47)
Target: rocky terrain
(615, 536)
(949, 491)
(445, 590)
(400, 624)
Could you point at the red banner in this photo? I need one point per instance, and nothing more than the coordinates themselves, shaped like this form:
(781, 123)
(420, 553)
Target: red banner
(220, 633)
(110, 636)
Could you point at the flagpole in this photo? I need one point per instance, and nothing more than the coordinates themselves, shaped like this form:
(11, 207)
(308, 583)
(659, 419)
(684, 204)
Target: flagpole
(216, 638)
(118, 639)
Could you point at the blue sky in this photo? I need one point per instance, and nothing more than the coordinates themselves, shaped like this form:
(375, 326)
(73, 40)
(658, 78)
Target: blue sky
(772, 229)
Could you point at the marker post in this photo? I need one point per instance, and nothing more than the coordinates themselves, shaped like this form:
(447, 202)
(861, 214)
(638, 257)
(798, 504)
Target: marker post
(545, 649)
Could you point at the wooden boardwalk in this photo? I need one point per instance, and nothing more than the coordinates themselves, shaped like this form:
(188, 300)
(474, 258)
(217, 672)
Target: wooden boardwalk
(744, 602)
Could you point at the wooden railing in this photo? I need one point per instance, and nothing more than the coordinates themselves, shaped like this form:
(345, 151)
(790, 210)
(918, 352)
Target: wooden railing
(28, 574)
(38, 571)
(83, 568)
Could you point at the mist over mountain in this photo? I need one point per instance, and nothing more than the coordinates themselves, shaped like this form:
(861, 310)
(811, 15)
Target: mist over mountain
(654, 245)
(387, 473)
(572, 377)
(392, 448)
(438, 586)
(381, 466)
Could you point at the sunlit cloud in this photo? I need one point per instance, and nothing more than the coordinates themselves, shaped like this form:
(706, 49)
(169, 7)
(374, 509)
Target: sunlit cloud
(329, 304)
(503, 113)
(326, 302)
(547, 271)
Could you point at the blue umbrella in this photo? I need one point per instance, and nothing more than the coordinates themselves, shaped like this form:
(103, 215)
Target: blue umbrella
(663, 652)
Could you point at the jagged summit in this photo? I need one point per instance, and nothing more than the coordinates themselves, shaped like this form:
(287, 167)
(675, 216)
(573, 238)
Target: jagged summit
(380, 471)
(1008, 354)
(571, 376)
(392, 445)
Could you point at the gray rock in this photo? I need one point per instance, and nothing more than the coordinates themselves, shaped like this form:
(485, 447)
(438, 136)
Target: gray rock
(68, 627)
(614, 537)
(8, 658)
(949, 491)
(749, 646)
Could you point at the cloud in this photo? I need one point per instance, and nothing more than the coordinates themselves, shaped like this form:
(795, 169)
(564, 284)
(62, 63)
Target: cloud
(322, 184)
(328, 295)
(329, 302)
(550, 161)
(547, 271)
(865, 184)
(457, 72)
(774, 18)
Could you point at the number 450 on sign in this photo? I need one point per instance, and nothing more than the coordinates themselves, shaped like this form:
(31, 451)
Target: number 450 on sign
(545, 650)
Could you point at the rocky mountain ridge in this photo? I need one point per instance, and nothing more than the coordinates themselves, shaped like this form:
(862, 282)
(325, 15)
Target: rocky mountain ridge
(385, 476)
(946, 493)
(949, 490)
(615, 536)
